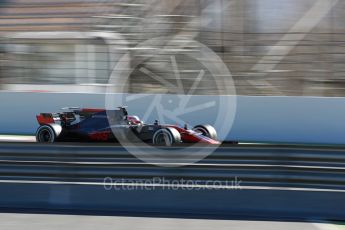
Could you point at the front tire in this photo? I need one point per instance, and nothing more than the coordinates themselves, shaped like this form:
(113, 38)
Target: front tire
(45, 134)
(206, 130)
(166, 137)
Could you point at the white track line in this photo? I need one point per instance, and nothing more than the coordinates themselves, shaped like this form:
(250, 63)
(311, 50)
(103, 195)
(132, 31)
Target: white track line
(174, 186)
(326, 226)
(176, 164)
(16, 138)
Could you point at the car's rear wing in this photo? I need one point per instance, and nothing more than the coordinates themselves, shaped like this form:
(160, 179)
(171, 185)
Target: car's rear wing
(47, 118)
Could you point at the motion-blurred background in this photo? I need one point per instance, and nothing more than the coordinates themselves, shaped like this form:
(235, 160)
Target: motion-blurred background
(271, 47)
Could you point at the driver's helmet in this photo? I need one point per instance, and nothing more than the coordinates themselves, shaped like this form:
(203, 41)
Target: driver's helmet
(134, 120)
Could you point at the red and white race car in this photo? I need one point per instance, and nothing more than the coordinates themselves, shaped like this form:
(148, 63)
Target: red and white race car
(85, 124)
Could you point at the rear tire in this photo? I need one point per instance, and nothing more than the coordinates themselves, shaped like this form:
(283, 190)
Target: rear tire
(166, 137)
(206, 130)
(45, 134)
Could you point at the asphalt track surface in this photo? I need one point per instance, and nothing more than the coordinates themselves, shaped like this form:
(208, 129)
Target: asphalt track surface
(77, 155)
(10, 221)
(279, 167)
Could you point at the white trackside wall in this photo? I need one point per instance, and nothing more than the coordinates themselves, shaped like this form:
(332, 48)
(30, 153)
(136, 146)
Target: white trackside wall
(257, 119)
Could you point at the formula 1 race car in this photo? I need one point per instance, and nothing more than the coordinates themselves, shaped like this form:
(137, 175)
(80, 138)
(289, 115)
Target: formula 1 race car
(99, 125)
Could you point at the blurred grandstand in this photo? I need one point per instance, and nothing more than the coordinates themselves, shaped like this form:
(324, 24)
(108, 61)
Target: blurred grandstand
(271, 47)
